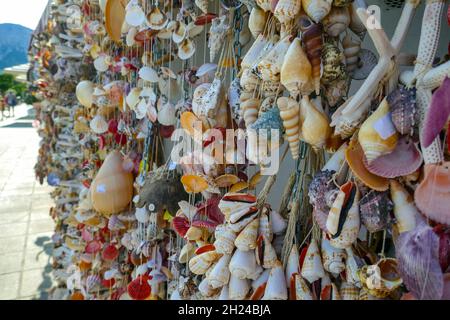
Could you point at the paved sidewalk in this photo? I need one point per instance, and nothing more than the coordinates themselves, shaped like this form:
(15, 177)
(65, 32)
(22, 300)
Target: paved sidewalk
(25, 225)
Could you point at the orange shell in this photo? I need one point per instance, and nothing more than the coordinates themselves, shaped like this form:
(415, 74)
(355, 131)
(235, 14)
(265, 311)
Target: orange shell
(188, 120)
(205, 248)
(194, 184)
(354, 156)
(84, 266)
(77, 296)
(226, 180)
(114, 18)
(241, 185)
(255, 180)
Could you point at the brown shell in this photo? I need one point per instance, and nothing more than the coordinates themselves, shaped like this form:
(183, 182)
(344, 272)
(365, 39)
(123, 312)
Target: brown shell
(402, 103)
(375, 208)
(312, 40)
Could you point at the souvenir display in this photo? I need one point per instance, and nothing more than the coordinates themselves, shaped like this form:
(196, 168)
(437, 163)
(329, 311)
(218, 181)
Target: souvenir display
(159, 122)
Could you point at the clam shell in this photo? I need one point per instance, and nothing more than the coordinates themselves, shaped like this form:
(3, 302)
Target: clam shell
(186, 49)
(135, 16)
(84, 92)
(404, 160)
(148, 74)
(101, 64)
(156, 19)
(179, 33)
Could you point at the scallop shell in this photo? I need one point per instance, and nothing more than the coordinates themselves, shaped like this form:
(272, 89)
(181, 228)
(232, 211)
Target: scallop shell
(432, 196)
(404, 160)
(290, 113)
(296, 70)
(317, 9)
(286, 10)
(148, 74)
(166, 115)
(375, 208)
(242, 264)
(98, 124)
(377, 135)
(84, 92)
(186, 49)
(157, 19)
(312, 268)
(134, 15)
(102, 63)
(337, 21)
(276, 284)
(402, 104)
(220, 273)
(314, 123)
(333, 258)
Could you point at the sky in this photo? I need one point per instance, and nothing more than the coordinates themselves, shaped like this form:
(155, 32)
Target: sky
(23, 12)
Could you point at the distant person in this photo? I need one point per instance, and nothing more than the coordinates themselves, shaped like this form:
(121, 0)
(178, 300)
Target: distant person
(11, 100)
(2, 107)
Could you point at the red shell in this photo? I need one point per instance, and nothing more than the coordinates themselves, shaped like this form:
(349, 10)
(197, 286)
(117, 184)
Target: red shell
(112, 126)
(145, 35)
(205, 248)
(110, 253)
(180, 225)
(120, 138)
(108, 283)
(302, 256)
(93, 247)
(166, 131)
(205, 19)
(139, 289)
(101, 142)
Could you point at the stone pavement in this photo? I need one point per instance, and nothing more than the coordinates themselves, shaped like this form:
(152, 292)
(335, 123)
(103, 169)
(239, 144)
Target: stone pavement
(25, 224)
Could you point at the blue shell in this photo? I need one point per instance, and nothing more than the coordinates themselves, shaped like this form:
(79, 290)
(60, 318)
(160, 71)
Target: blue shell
(269, 120)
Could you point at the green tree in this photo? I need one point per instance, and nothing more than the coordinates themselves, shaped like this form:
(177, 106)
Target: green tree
(6, 82)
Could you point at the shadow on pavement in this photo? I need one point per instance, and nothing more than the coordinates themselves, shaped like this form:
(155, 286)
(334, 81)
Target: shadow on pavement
(46, 284)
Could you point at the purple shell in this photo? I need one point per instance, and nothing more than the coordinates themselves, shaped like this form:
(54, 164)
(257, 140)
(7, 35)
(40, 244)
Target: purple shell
(437, 114)
(404, 160)
(402, 104)
(321, 184)
(375, 208)
(418, 262)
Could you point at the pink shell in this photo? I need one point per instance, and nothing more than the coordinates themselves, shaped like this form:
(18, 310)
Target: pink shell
(404, 160)
(437, 114)
(93, 247)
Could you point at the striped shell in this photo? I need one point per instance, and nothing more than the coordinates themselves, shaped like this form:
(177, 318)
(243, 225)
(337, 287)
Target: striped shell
(402, 103)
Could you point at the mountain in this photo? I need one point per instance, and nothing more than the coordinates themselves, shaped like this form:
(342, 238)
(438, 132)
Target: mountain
(14, 40)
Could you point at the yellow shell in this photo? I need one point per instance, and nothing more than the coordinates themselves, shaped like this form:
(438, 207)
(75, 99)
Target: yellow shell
(377, 135)
(315, 125)
(290, 114)
(296, 71)
(405, 211)
(317, 9)
(250, 107)
(257, 21)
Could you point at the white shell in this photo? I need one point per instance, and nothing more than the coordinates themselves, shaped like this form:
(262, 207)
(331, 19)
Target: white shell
(130, 37)
(157, 19)
(148, 74)
(263, 277)
(220, 273)
(224, 293)
(243, 264)
(166, 115)
(142, 215)
(206, 68)
(179, 33)
(276, 284)
(186, 49)
(246, 240)
(238, 288)
(135, 16)
(279, 224)
(132, 98)
(141, 109)
(225, 237)
(312, 268)
(102, 63)
(292, 265)
(205, 288)
(98, 124)
(84, 93)
(337, 159)
(193, 30)
(333, 258)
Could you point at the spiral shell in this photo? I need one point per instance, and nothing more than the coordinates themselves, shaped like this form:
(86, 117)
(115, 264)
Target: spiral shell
(270, 66)
(290, 113)
(337, 21)
(225, 238)
(312, 40)
(246, 240)
(332, 63)
(250, 109)
(286, 10)
(352, 47)
(333, 258)
(315, 125)
(317, 9)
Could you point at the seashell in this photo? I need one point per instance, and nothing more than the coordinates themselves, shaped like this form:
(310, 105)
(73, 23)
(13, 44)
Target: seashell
(179, 32)
(102, 63)
(246, 240)
(238, 288)
(279, 224)
(352, 47)
(270, 65)
(337, 21)
(250, 108)
(321, 185)
(417, 253)
(202, 5)
(200, 263)
(130, 37)
(332, 65)
(224, 293)
(437, 114)
(276, 284)
(220, 273)
(132, 98)
(312, 40)
(139, 289)
(350, 225)
(186, 252)
(206, 289)
(205, 69)
(337, 208)
(404, 160)
(265, 225)
(292, 265)
(194, 183)
(312, 268)
(148, 74)
(186, 49)
(193, 29)
(243, 264)
(157, 19)
(346, 124)
(333, 258)
(232, 203)
(387, 277)
(352, 268)
(405, 211)
(258, 49)
(166, 115)
(299, 289)
(112, 187)
(314, 123)
(290, 113)
(356, 25)
(375, 208)
(286, 10)
(265, 5)
(217, 35)
(98, 124)
(134, 15)
(377, 135)
(354, 156)
(84, 92)
(317, 9)
(402, 104)
(337, 160)
(432, 194)
(367, 61)
(225, 238)
(296, 70)
(349, 292)
(265, 253)
(268, 120)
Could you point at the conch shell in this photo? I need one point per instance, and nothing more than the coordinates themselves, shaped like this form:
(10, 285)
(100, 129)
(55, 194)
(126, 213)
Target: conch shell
(220, 273)
(405, 211)
(317, 9)
(286, 10)
(337, 21)
(299, 289)
(270, 66)
(238, 288)
(312, 268)
(377, 135)
(315, 124)
(276, 284)
(333, 258)
(312, 40)
(296, 70)
(290, 114)
(243, 264)
(246, 240)
(225, 238)
(251, 108)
